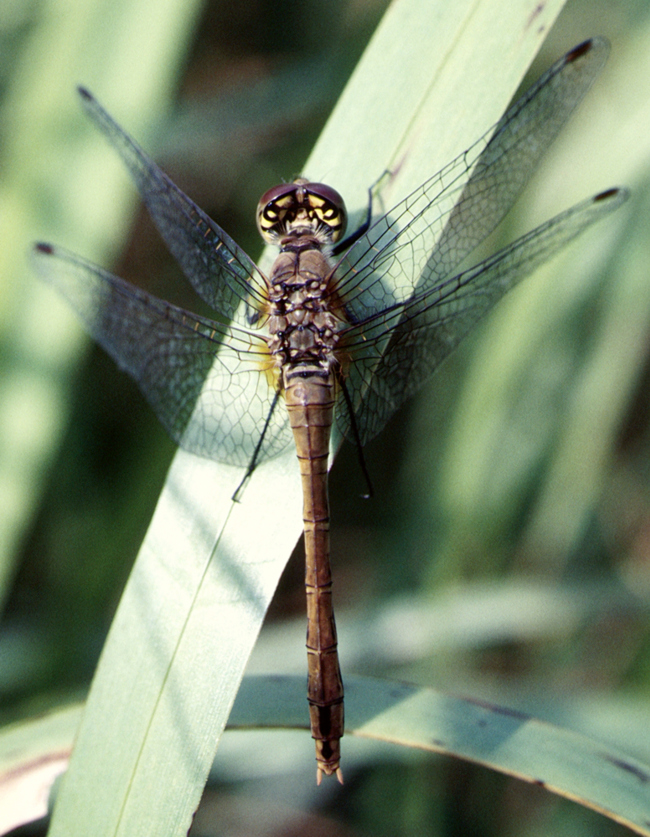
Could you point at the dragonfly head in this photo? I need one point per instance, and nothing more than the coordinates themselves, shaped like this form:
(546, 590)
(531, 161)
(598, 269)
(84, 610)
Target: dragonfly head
(301, 208)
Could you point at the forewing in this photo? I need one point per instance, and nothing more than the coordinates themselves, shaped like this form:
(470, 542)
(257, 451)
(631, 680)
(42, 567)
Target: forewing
(426, 236)
(219, 270)
(203, 379)
(424, 330)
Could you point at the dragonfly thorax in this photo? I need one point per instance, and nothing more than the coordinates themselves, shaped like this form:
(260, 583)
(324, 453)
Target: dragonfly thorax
(304, 319)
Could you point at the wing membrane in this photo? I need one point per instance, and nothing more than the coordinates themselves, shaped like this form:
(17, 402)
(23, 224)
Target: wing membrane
(204, 380)
(422, 239)
(218, 269)
(424, 330)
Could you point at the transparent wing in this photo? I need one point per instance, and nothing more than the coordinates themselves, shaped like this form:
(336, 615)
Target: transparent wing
(422, 239)
(394, 353)
(205, 380)
(219, 270)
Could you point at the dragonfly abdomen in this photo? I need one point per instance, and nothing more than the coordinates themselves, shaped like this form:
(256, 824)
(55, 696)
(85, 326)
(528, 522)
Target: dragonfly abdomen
(310, 402)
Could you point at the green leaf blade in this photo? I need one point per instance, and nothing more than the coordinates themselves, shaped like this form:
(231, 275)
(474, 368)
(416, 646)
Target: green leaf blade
(207, 569)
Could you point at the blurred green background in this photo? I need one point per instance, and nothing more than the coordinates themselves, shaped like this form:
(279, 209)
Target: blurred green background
(506, 553)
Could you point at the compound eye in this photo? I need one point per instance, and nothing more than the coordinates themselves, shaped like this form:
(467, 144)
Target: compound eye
(272, 209)
(275, 193)
(329, 208)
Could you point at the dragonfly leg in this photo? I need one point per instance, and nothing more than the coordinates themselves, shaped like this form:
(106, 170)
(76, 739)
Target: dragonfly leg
(349, 240)
(357, 439)
(236, 497)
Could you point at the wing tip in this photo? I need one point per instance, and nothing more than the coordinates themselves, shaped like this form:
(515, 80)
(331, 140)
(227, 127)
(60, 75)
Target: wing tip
(617, 194)
(595, 43)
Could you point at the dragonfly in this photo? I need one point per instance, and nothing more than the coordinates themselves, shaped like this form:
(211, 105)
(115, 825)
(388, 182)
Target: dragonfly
(342, 331)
